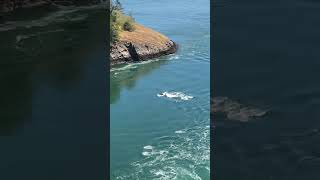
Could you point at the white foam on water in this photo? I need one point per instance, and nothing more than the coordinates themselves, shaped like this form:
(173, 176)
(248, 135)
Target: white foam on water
(175, 95)
(163, 152)
(192, 53)
(146, 153)
(175, 157)
(180, 132)
(174, 57)
(134, 65)
(148, 61)
(124, 68)
(159, 173)
(148, 147)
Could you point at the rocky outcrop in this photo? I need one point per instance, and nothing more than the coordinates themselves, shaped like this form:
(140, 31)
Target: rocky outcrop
(140, 45)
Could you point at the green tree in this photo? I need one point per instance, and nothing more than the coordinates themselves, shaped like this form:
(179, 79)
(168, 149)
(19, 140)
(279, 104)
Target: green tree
(119, 21)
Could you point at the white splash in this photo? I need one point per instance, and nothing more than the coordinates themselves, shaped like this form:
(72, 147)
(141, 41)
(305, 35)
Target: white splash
(146, 153)
(175, 95)
(148, 147)
(174, 57)
(179, 132)
(124, 68)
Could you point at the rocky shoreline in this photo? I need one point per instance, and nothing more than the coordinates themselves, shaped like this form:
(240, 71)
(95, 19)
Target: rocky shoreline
(141, 45)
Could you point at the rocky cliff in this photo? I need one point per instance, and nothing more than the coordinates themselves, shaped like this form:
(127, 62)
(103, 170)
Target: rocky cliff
(140, 45)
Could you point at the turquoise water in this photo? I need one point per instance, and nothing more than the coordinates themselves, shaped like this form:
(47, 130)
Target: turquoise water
(157, 137)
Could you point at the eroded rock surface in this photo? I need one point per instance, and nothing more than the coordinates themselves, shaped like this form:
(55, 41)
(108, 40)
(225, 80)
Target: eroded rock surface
(140, 45)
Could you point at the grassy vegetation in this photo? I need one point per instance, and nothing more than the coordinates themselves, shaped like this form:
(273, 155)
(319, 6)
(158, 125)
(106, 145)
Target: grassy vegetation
(119, 21)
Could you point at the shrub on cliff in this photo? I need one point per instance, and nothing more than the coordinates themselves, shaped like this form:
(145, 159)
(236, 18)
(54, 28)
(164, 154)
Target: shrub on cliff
(119, 21)
(114, 29)
(128, 26)
(114, 33)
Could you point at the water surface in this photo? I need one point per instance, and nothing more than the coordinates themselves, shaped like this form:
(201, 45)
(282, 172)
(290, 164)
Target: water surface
(53, 103)
(266, 56)
(156, 137)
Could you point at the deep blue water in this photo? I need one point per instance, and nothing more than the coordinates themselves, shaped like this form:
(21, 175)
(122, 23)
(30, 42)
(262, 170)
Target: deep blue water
(156, 137)
(267, 55)
(53, 103)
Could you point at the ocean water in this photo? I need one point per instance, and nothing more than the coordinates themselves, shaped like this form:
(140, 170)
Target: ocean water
(160, 109)
(53, 95)
(267, 57)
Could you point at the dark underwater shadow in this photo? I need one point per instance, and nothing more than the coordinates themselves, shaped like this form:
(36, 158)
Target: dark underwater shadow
(53, 104)
(126, 76)
(50, 53)
(16, 97)
(273, 62)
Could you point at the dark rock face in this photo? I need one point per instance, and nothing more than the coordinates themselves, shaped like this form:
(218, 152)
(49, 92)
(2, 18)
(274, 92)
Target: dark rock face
(133, 52)
(124, 52)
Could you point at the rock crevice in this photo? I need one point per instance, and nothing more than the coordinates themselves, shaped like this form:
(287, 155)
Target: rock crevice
(133, 52)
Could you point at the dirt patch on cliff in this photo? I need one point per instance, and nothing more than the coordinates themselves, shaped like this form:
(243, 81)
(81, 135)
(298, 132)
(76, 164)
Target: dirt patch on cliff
(143, 35)
(141, 44)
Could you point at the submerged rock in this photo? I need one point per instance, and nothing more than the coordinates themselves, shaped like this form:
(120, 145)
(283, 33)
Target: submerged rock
(235, 110)
(140, 45)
